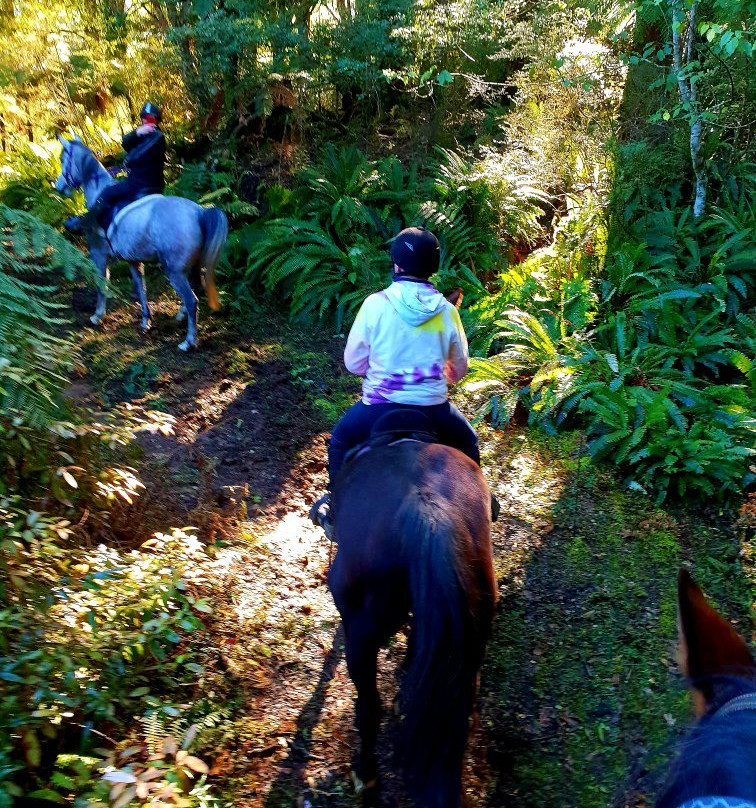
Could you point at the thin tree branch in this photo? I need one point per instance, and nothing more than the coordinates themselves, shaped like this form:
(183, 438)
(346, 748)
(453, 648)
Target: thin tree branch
(691, 31)
(677, 51)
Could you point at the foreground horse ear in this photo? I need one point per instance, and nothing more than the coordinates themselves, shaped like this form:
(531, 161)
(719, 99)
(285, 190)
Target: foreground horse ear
(455, 297)
(709, 646)
(63, 141)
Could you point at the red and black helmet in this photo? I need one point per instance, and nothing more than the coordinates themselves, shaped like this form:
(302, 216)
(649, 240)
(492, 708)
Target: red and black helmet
(151, 109)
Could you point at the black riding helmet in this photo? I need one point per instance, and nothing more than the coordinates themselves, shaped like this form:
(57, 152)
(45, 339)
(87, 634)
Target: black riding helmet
(151, 109)
(417, 251)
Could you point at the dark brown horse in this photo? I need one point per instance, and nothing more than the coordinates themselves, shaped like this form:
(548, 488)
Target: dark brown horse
(716, 767)
(412, 521)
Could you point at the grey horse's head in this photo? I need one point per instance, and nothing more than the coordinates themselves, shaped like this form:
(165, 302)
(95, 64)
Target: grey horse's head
(69, 179)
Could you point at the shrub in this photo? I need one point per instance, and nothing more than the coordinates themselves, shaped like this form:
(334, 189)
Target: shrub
(26, 183)
(86, 636)
(664, 386)
(319, 246)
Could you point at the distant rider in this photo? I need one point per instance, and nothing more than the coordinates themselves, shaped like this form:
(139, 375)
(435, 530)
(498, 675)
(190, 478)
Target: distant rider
(145, 161)
(409, 344)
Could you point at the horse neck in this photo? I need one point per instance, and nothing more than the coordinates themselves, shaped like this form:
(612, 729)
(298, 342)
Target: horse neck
(718, 753)
(96, 178)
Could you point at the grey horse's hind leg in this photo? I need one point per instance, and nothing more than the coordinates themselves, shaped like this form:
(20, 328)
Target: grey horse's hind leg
(100, 260)
(183, 288)
(140, 290)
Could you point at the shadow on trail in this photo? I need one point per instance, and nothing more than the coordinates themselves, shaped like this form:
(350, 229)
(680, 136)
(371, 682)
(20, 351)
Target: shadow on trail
(239, 440)
(291, 782)
(242, 418)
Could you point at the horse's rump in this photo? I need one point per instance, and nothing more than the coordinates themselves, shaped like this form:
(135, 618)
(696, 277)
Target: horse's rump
(413, 525)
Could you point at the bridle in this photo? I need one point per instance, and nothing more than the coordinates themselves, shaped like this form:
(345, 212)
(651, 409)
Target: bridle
(718, 802)
(746, 702)
(65, 169)
(737, 704)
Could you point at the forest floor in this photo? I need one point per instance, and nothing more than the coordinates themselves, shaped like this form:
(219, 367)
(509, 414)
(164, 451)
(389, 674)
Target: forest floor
(581, 700)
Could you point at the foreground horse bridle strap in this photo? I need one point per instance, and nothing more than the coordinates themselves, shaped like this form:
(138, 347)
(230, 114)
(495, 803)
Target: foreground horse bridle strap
(737, 705)
(718, 802)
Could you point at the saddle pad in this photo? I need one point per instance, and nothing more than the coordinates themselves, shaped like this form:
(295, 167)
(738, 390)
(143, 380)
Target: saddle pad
(129, 207)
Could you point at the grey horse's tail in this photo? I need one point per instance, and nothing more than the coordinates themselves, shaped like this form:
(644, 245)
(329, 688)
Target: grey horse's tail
(214, 226)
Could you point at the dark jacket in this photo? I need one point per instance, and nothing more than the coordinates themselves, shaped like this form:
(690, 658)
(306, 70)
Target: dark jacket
(145, 159)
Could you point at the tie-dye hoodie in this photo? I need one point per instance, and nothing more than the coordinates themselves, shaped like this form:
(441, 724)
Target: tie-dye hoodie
(408, 343)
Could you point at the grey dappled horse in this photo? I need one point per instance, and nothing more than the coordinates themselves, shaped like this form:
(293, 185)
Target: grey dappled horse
(178, 233)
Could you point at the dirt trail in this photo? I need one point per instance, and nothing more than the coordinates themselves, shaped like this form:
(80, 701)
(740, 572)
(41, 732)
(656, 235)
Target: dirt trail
(245, 459)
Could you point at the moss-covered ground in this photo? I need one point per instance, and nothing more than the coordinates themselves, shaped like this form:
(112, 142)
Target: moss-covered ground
(581, 692)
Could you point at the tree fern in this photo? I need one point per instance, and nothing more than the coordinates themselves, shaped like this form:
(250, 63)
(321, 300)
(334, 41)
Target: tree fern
(300, 262)
(33, 362)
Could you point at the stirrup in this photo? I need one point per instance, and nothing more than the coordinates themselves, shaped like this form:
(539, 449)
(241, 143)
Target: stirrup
(495, 508)
(73, 225)
(320, 514)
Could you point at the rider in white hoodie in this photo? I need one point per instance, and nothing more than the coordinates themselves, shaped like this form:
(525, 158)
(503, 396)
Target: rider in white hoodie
(409, 345)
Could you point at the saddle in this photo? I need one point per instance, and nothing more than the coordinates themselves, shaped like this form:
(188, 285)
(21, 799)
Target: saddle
(394, 427)
(124, 203)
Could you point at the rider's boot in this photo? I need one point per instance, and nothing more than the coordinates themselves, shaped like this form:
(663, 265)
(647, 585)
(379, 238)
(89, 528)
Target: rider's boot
(84, 225)
(495, 508)
(320, 514)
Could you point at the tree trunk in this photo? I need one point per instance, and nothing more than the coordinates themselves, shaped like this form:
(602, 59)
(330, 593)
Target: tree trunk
(683, 56)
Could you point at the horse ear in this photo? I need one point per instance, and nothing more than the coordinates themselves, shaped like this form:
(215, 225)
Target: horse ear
(77, 139)
(63, 141)
(709, 646)
(455, 297)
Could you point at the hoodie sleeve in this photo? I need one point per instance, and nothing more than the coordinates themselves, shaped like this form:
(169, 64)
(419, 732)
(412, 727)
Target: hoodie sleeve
(357, 351)
(457, 361)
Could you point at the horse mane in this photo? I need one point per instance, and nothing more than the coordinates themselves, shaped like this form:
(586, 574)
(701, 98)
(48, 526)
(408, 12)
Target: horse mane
(89, 165)
(718, 758)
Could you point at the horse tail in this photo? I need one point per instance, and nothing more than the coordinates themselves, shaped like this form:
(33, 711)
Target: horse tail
(214, 226)
(452, 617)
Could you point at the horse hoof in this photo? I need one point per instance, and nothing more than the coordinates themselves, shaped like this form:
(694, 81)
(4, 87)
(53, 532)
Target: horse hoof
(146, 325)
(180, 317)
(186, 345)
(95, 320)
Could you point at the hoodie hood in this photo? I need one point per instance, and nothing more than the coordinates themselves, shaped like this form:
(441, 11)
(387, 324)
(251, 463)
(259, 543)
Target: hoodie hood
(415, 303)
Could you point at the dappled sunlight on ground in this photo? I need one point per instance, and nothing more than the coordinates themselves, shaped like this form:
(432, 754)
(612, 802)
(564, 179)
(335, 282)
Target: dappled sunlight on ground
(528, 481)
(278, 632)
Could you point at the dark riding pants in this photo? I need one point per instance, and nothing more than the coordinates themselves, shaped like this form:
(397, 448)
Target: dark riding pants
(355, 425)
(122, 192)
